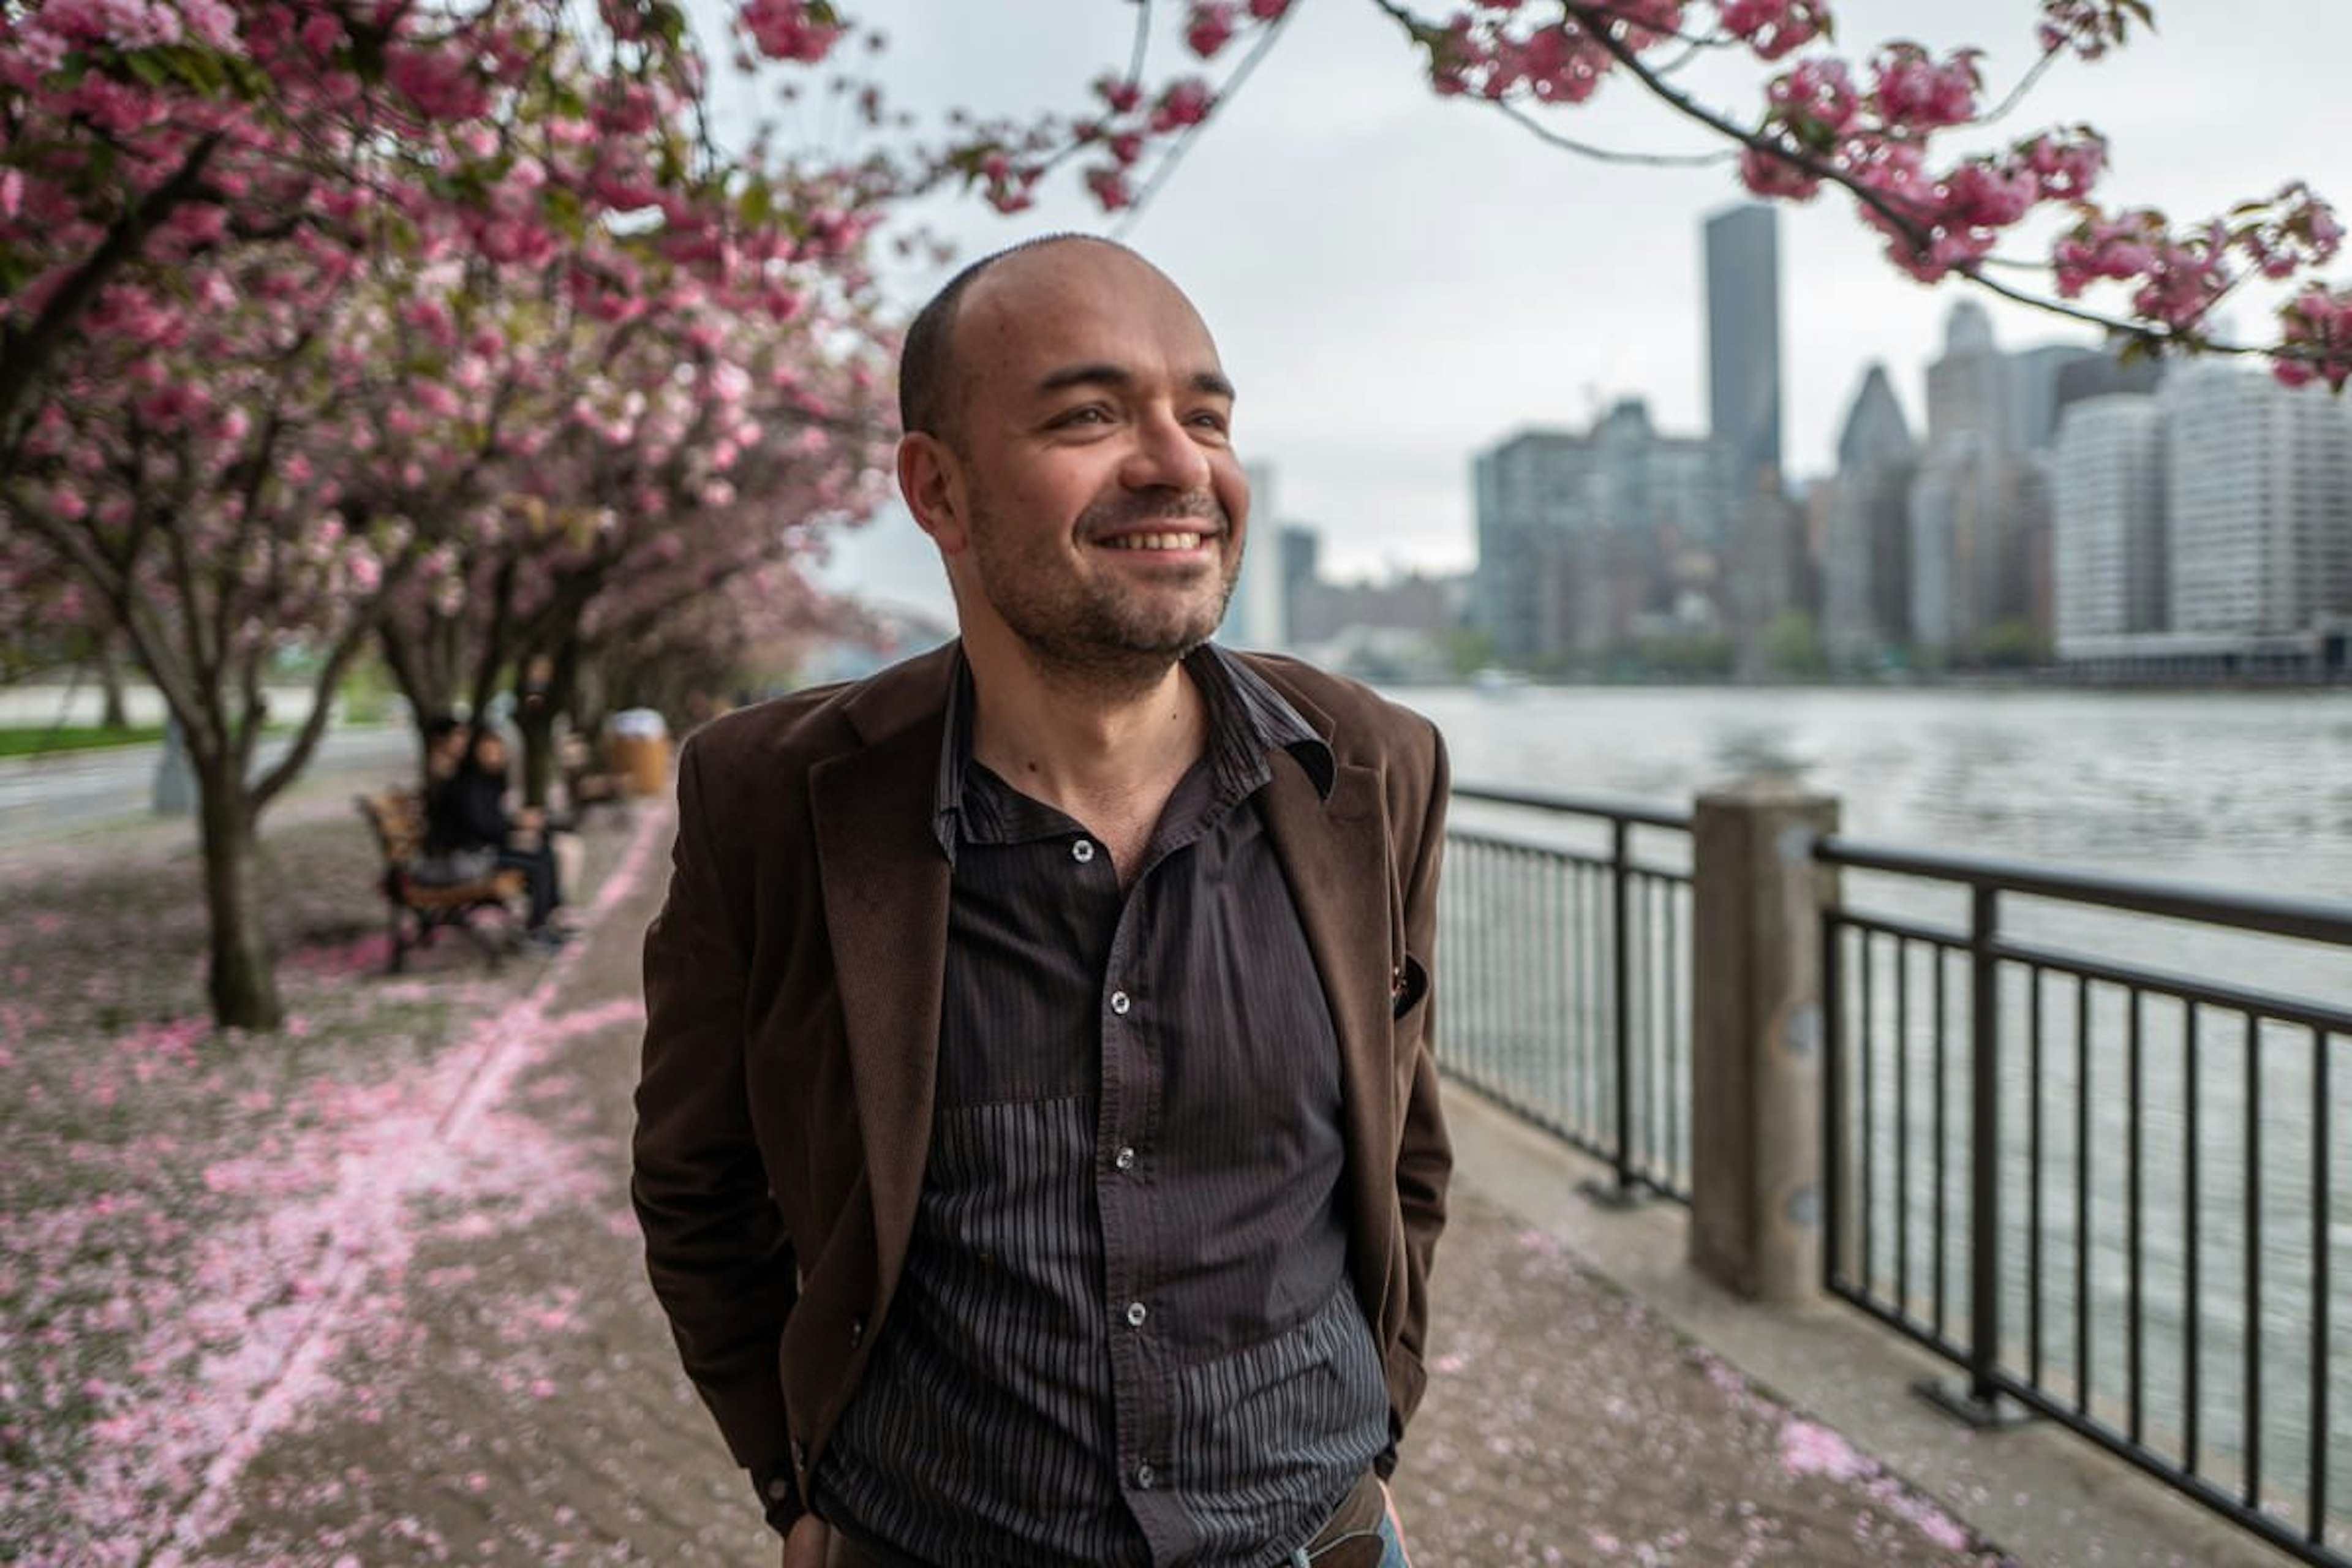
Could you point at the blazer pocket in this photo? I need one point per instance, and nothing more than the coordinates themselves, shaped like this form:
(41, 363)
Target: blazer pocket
(1408, 983)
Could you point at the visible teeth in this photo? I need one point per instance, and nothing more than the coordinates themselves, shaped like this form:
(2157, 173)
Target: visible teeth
(1156, 541)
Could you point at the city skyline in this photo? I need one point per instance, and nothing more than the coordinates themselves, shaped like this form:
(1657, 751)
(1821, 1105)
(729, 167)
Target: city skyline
(1398, 281)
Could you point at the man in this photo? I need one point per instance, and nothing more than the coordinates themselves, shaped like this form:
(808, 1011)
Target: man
(1038, 1147)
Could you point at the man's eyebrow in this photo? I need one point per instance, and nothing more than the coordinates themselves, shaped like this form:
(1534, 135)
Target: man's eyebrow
(1209, 382)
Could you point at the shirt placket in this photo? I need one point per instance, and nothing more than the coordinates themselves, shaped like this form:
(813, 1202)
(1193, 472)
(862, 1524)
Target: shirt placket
(1126, 1122)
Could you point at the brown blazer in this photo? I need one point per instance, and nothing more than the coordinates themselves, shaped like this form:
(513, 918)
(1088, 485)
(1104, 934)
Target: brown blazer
(793, 985)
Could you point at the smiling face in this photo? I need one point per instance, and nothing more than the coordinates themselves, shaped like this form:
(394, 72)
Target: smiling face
(1084, 490)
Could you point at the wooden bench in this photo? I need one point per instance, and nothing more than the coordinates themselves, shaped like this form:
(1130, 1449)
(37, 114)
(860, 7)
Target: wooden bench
(420, 906)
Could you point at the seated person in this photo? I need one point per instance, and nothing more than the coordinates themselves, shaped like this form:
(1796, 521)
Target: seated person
(585, 784)
(467, 812)
(445, 748)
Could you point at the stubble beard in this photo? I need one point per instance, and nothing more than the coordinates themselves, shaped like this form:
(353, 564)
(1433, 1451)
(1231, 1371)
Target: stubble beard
(1091, 632)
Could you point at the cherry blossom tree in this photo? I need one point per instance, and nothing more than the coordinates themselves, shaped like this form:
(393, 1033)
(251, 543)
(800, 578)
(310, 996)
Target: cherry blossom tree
(249, 391)
(672, 454)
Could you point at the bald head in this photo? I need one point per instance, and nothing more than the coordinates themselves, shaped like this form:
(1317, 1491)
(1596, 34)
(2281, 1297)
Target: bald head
(931, 374)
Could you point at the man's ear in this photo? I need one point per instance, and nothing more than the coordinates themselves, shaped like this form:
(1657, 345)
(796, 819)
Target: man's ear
(933, 480)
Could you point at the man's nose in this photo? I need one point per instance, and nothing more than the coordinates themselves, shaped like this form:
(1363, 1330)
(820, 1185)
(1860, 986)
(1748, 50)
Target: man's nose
(1167, 454)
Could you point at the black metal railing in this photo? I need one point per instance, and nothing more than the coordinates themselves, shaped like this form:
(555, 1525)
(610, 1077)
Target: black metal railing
(1566, 988)
(2104, 1187)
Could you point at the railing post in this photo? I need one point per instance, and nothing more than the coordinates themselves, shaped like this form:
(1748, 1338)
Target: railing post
(1620, 990)
(1756, 1058)
(1836, 1178)
(1979, 1402)
(1984, 1139)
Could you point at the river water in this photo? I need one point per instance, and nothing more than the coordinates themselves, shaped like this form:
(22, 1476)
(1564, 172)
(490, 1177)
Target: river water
(2247, 791)
(2241, 789)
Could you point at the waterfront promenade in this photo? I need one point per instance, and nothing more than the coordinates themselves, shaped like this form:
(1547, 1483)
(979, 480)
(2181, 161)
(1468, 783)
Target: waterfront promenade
(368, 1292)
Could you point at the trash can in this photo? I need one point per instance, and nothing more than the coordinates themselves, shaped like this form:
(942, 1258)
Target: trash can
(638, 747)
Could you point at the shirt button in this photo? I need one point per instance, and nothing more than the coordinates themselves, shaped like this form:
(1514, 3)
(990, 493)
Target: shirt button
(1082, 851)
(1120, 1003)
(1124, 1159)
(1145, 1475)
(1136, 1313)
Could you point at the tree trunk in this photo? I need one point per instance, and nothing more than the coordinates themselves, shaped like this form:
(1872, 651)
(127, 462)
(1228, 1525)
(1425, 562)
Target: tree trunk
(242, 977)
(115, 713)
(535, 722)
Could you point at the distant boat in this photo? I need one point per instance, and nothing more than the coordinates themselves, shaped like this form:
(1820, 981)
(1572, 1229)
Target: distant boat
(1495, 679)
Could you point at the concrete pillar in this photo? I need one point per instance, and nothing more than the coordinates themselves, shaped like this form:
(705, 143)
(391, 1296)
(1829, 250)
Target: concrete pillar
(175, 780)
(1756, 1047)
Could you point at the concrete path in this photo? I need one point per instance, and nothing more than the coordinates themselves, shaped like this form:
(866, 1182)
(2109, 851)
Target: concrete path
(498, 1388)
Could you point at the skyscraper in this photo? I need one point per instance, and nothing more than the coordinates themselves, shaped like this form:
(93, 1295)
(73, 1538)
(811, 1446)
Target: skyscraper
(1743, 343)
(1866, 560)
(2258, 484)
(1253, 616)
(2108, 522)
(1582, 534)
(1979, 507)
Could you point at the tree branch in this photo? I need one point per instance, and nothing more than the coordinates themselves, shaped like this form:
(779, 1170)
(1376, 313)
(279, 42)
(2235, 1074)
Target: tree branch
(25, 364)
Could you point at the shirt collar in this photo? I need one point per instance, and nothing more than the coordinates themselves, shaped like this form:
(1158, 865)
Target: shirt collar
(1248, 720)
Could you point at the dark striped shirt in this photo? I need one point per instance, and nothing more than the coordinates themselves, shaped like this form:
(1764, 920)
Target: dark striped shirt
(1124, 1334)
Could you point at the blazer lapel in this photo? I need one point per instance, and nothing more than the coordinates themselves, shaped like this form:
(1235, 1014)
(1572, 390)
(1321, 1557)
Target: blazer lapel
(1334, 853)
(886, 908)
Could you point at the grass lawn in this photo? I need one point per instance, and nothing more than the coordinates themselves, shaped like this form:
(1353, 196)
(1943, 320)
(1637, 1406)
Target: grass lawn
(37, 740)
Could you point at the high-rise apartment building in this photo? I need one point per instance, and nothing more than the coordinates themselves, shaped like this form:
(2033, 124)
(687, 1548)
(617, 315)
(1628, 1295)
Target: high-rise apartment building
(1535, 491)
(1581, 535)
(1302, 565)
(2259, 481)
(1866, 546)
(2107, 517)
(1254, 616)
(1743, 344)
(1969, 386)
(1979, 507)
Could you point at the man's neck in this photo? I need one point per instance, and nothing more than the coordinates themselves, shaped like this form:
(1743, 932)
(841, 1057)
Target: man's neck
(1107, 753)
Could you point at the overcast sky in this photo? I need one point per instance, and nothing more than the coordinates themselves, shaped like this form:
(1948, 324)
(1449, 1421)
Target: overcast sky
(1397, 281)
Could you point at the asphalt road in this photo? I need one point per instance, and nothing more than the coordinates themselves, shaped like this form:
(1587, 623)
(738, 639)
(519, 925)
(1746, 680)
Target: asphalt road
(41, 797)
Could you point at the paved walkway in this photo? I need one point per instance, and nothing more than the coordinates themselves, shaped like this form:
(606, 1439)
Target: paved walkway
(502, 1391)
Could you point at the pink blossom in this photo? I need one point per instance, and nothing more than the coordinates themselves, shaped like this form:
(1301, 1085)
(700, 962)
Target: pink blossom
(1810, 1448)
(2292, 231)
(1773, 27)
(2183, 280)
(1208, 27)
(1182, 103)
(440, 82)
(1647, 21)
(1913, 92)
(2066, 167)
(320, 31)
(786, 30)
(626, 110)
(2316, 338)
(1768, 175)
(2107, 248)
(2087, 27)
(1980, 196)
(1120, 93)
(1817, 100)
